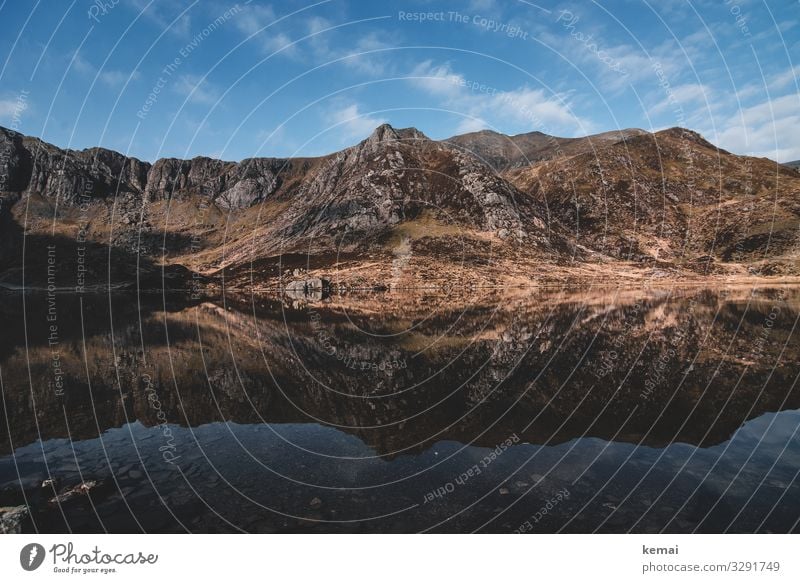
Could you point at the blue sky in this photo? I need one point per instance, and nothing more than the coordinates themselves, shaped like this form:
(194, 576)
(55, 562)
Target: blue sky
(182, 78)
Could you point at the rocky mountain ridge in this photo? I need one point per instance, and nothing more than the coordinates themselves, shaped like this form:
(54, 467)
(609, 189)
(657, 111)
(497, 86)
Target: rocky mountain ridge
(399, 209)
(504, 152)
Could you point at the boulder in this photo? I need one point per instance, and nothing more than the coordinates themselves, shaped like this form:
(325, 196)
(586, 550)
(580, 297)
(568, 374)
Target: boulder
(11, 518)
(313, 288)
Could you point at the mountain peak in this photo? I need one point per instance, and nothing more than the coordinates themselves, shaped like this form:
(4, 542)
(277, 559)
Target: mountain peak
(382, 133)
(683, 134)
(386, 133)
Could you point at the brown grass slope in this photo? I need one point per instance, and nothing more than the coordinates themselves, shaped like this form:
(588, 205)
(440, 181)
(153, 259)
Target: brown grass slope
(674, 197)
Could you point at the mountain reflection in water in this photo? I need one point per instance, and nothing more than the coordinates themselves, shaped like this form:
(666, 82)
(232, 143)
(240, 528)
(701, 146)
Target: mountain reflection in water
(614, 411)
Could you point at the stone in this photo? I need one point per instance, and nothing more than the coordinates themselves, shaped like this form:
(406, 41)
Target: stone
(70, 494)
(11, 519)
(313, 288)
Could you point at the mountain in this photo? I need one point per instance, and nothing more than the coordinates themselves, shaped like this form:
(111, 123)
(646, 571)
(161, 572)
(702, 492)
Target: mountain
(672, 196)
(795, 164)
(399, 209)
(502, 152)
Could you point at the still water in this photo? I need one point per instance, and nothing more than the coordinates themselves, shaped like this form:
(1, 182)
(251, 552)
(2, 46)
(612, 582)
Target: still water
(672, 410)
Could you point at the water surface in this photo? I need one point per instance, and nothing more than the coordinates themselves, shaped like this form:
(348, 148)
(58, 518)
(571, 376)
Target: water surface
(671, 410)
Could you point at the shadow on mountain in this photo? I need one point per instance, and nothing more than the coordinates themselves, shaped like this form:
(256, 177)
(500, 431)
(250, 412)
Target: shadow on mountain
(36, 260)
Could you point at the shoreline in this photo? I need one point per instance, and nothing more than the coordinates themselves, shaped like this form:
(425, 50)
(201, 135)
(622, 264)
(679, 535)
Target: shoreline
(206, 292)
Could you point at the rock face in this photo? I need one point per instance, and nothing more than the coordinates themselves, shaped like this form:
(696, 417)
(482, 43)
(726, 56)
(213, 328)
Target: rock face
(391, 176)
(395, 176)
(30, 165)
(14, 161)
(229, 185)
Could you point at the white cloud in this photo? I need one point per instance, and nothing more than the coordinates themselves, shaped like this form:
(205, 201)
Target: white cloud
(324, 47)
(110, 77)
(373, 64)
(81, 65)
(7, 107)
(11, 109)
(472, 124)
(437, 80)
(788, 78)
(534, 106)
(482, 5)
(258, 21)
(279, 43)
(116, 78)
(351, 124)
(255, 18)
(196, 89)
(320, 42)
(748, 91)
(682, 96)
(768, 129)
(587, 49)
(483, 106)
(163, 12)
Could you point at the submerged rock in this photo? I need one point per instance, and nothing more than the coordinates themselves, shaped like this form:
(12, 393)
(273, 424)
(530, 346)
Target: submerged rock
(81, 490)
(11, 519)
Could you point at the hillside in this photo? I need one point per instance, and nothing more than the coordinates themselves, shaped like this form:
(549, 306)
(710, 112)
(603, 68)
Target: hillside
(674, 197)
(400, 210)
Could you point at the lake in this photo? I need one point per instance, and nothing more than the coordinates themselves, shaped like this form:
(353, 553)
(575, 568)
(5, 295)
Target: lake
(558, 410)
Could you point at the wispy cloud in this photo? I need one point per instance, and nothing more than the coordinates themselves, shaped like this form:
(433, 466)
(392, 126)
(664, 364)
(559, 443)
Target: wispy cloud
(163, 13)
(197, 89)
(482, 106)
(682, 96)
(371, 63)
(788, 78)
(484, 5)
(592, 50)
(12, 108)
(256, 20)
(321, 41)
(768, 129)
(351, 124)
(116, 78)
(111, 77)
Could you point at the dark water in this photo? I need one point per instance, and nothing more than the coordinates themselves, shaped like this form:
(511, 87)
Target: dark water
(575, 411)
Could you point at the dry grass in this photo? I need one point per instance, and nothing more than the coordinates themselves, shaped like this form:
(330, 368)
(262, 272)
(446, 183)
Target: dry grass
(427, 224)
